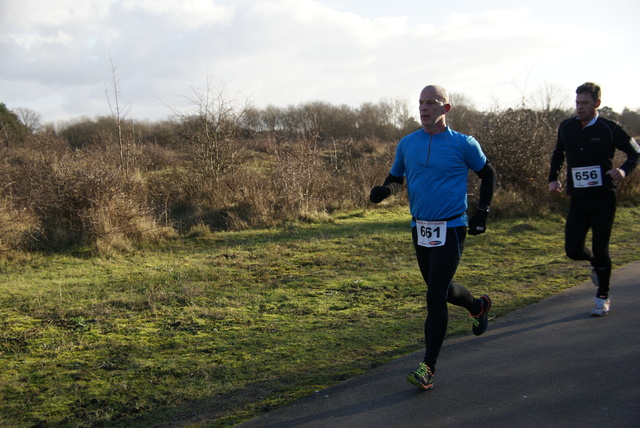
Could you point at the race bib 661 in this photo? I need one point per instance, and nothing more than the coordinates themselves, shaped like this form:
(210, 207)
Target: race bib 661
(431, 233)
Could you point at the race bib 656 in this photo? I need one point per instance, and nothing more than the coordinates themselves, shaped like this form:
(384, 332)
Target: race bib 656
(587, 176)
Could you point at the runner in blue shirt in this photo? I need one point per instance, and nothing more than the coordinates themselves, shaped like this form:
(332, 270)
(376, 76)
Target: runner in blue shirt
(435, 162)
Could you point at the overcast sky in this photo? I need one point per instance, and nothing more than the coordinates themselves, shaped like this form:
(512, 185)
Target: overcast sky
(56, 56)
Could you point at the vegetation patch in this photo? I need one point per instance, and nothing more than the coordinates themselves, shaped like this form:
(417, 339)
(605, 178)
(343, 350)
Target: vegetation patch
(204, 269)
(214, 329)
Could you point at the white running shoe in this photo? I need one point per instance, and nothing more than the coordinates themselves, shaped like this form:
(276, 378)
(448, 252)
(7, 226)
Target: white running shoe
(594, 277)
(601, 307)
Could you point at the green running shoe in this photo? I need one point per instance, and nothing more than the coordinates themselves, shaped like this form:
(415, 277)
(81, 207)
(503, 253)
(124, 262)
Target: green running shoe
(422, 378)
(481, 321)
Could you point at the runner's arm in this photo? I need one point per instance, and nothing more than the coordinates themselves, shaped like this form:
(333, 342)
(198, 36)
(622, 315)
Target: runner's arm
(632, 150)
(478, 223)
(391, 186)
(557, 159)
(487, 177)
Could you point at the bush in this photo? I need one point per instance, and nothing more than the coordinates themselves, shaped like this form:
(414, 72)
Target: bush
(18, 226)
(201, 172)
(81, 199)
(278, 181)
(519, 144)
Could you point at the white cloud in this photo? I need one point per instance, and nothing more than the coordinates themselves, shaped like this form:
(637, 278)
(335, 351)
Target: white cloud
(188, 13)
(27, 41)
(56, 56)
(30, 15)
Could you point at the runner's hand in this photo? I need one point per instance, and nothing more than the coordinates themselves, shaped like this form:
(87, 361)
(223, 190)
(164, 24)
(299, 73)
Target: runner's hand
(555, 187)
(378, 193)
(617, 174)
(478, 223)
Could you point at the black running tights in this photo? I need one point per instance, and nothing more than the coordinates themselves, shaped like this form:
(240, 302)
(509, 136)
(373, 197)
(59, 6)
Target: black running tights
(438, 266)
(596, 214)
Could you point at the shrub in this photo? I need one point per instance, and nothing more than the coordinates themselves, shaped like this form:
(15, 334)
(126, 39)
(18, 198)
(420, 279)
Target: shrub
(18, 226)
(209, 170)
(519, 144)
(81, 199)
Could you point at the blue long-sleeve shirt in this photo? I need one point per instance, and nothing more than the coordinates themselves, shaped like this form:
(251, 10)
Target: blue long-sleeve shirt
(436, 168)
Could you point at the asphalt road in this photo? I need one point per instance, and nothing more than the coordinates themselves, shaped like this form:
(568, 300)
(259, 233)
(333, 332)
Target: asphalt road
(546, 365)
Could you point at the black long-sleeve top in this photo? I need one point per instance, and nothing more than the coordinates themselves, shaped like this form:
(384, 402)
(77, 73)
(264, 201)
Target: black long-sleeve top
(594, 145)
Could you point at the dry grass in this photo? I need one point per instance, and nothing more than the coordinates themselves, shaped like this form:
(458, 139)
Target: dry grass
(56, 196)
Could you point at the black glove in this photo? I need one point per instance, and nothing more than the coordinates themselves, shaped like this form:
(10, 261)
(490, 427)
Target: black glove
(478, 223)
(378, 193)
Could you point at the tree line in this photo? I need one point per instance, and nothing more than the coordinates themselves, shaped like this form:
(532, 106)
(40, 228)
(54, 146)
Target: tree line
(112, 183)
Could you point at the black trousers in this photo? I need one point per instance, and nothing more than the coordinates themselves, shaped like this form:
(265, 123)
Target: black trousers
(438, 266)
(596, 214)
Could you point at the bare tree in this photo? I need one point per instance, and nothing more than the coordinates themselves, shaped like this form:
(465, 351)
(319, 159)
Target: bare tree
(553, 103)
(30, 119)
(212, 127)
(118, 113)
(403, 116)
(463, 115)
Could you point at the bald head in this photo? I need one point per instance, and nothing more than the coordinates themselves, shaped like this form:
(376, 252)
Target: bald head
(438, 93)
(434, 105)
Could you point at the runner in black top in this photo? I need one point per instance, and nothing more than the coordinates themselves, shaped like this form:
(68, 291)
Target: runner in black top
(589, 142)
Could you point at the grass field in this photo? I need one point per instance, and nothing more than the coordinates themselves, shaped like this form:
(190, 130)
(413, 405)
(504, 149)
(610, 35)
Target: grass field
(214, 328)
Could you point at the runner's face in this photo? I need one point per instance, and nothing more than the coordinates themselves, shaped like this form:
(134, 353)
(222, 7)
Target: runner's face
(432, 109)
(586, 107)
